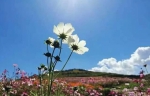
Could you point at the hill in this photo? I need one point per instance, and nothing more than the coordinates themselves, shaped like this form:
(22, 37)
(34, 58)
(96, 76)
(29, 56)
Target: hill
(86, 73)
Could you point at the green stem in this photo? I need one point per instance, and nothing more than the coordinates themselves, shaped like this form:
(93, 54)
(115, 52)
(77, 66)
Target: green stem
(14, 73)
(54, 66)
(56, 61)
(40, 85)
(146, 70)
(50, 85)
(47, 57)
(40, 81)
(64, 64)
(52, 74)
(60, 47)
(48, 64)
(47, 48)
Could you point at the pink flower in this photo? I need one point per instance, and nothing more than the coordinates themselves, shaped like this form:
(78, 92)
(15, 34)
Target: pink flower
(141, 75)
(131, 94)
(112, 93)
(83, 81)
(4, 94)
(141, 85)
(135, 88)
(91, 94)
(148, 91)
(24, 94)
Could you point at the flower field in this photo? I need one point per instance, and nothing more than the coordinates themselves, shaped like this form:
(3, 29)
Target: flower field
(23, 85)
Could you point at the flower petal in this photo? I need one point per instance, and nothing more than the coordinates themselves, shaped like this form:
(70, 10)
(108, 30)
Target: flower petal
(82, 43)
(84, 49)
(76, 38)
(51, 46)
(79, 52)
(70, 40)
(55, 30)
(60, 27)
(65, 41)
(51, 39)
(68, 29)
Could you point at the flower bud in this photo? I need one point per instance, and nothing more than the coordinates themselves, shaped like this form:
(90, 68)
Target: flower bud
(56, 44)
(48, 42)
(45, 68)
(47, 54)
(145, 65)
(57, 58)
(42, 65)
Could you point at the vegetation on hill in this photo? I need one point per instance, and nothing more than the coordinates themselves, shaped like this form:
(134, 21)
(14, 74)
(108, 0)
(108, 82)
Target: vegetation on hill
(86, 73)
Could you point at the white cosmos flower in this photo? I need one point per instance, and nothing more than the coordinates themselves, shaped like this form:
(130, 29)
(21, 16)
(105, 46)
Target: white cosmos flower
(63, 30)
(76, 45)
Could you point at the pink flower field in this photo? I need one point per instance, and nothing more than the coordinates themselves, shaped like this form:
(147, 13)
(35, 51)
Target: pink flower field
(24, 85)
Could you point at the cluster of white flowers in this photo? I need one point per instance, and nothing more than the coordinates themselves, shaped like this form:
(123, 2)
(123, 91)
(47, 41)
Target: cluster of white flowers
(64, 32)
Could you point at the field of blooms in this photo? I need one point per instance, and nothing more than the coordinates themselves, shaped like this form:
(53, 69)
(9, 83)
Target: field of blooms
(23, 85)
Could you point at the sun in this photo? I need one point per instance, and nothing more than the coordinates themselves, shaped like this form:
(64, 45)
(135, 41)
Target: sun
(73, 3)
(68, 4)
(73, 7)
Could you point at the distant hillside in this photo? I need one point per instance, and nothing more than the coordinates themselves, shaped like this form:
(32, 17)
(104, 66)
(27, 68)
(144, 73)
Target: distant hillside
(86, 73)
(147, 77)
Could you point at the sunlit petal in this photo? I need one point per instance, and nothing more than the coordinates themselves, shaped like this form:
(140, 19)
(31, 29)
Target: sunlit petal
(51, 46)
(60, 27)
(69, 32)
(76, 38)
(70, 40)
(67, 27)
(79, 52)
(55, 30)
(51, 39)
(85, 49)
(82, 43)
(65, 41)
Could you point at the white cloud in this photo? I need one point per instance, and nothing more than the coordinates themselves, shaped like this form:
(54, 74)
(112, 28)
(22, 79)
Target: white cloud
(127, 66)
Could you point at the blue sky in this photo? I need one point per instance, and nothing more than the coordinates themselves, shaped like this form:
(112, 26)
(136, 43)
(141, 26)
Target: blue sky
(116, 32)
